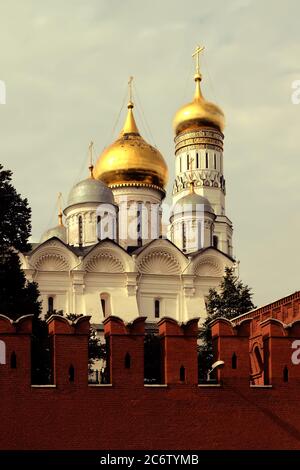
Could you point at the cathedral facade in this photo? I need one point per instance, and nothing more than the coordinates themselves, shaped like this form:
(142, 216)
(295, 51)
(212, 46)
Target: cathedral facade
(109, 253)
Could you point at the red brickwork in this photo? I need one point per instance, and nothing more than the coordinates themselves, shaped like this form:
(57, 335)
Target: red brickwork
(71, 414)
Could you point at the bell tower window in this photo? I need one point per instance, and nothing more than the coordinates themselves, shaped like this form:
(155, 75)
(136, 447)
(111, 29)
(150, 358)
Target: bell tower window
(206, 160)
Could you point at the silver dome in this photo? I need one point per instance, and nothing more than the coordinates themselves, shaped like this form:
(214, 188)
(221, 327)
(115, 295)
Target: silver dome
(192, 202)
(90, 190)
(59, 231)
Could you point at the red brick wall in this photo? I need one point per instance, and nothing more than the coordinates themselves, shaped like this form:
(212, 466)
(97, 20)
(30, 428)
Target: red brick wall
(129, 415)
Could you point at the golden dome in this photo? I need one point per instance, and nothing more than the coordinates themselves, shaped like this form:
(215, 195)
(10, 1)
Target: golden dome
(198, 113)
(130, 160)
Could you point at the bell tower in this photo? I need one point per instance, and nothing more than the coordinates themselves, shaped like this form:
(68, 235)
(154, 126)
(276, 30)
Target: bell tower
(199, 137)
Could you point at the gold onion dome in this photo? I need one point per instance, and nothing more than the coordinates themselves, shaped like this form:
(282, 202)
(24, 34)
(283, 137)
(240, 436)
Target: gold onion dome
(130, 160)
(199, 113)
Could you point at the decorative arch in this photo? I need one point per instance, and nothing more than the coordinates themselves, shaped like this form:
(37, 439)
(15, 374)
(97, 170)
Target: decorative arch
(104, 262)
(159, 262)
(107, 257)
(52, 256)
(52, 262)
(208, 265)
(161, 257)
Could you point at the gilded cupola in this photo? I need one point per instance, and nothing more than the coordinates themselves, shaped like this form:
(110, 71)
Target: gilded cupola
(199, 112)
(130, 160)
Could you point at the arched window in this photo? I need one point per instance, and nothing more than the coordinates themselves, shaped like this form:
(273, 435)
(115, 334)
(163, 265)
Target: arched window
(2, 352)
(234, 361)
(182, 374)
(285, 374)
(197, 160)
(50, 304)
(105, 304)
(215, 241)
(13, 360)
(80, 230)
(71, 373)
(215, 161)
(157, 308)
(127, 361)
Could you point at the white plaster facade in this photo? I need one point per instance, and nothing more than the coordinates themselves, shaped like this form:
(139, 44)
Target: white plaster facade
(129, 283)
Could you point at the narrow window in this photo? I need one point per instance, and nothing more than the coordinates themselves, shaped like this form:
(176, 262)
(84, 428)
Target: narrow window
(215, 161)
(180, 165)
(2, 352)
(139, 224)
(206, 160)
(215, 241)
(157, 308)
(182, 374)
(197, 160)
(80, 230)
(187, 162)
(234, 361)
(199, 235)
(99, 227)
(71, 373)
(13, 360)
(103, 305)
(50, 304)
(127, 361)
(285, 374)
(183, 237)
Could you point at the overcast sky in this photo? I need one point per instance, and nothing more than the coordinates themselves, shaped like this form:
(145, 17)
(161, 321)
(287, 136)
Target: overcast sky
(66, 66)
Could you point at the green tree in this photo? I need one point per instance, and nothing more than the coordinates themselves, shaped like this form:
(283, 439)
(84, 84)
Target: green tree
(233, 299)
(18, 296)
(15, 214)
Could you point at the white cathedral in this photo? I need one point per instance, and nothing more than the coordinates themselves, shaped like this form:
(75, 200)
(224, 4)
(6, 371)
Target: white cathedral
(109, 253)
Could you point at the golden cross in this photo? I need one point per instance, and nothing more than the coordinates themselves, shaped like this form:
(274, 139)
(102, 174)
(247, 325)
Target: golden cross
(91, 145)
(59, 203)
(130, 88)
(59, 199)
(196, 54)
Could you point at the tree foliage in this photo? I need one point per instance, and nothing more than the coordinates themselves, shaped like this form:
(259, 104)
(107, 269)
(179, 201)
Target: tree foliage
(15, 214)
(232, 299)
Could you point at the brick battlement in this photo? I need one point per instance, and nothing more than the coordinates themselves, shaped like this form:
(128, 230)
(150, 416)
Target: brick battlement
(179, 414)
(285, 309)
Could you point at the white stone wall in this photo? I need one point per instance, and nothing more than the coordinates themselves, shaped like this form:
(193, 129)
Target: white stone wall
(132, 283)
